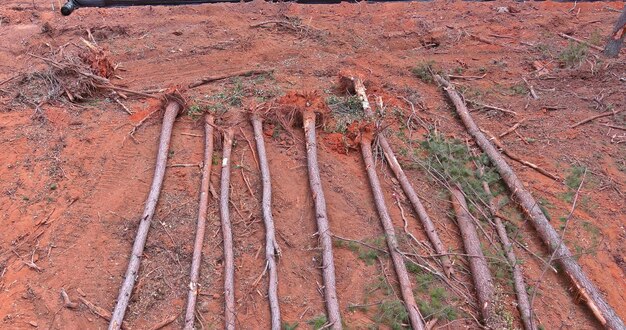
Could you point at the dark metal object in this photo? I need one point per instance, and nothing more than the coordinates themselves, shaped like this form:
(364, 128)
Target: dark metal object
(72, 5)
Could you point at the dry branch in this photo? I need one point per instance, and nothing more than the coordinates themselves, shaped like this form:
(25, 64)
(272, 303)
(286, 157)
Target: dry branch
(202, 213)
(229, 260)
(67, 303)
(595, 117)
(142, 233)
(165, 322)
(415, 318)
(581, 41)
(518, 159)
(605, 314)
(323, 227)
(246, 73)
(103, 313)
(513, 128)
(272, 251)
(483, 283)
(429, 227)
(487, 106)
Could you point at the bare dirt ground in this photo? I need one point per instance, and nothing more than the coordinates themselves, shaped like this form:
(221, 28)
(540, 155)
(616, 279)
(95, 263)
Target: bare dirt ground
(73, 182)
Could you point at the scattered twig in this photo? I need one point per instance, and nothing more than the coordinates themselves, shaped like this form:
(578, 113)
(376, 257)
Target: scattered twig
(518, 159)
(126, 109)
(136, 126)
(142, 233)
(595, 117)
(245, 73)
(514, 127)
(272, 250)
(67, 303)
(199, 165)
(623, 128)
(467, 77)
(605, 314)
(201, 225)
(8, 79)
(129, 91)
(531, 89)
(191, 134)
(323, 227)
(165, 322)
(580, 41)
(101, 312)
(487, 106)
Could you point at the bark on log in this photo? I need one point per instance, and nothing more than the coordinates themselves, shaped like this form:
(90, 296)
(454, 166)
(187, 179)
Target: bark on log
(429, 227)
(201, 225)
(272, 251)
(415, 317)
(483, 283)
(123, 298)
(323, 227)
(523, 302)
(605, 314)
(229, 260)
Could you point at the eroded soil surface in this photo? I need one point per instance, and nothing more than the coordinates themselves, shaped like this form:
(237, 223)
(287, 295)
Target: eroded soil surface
(73, 181)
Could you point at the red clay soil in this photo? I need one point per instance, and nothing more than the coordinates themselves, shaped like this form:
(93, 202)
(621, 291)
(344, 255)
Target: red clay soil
(73, 183)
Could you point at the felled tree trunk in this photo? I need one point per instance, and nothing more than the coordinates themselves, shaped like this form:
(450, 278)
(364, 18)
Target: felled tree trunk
(171, 111)
(323, 228)
(415, 317)
(272, 251)
(201, 225)
(229, 259)
(420, 210)
(483, 282)
(587, 291)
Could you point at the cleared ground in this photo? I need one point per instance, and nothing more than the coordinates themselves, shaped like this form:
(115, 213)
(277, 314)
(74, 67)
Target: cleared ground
(73, 182)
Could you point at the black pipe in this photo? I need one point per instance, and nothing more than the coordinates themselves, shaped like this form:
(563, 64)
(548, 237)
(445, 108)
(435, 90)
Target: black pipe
(72, 5)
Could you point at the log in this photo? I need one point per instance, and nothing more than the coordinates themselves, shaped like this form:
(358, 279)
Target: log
(523, 302)
(190, 313)
(123, 298)
(429, 227)
(229, 260)
(272, 251)
(587, 291)
(323, 227)
(415, 318)
(483, 283)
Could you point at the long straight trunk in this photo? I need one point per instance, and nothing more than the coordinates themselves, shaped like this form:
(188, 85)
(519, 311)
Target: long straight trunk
(229, 260)
(415, 317)
(523, 303)
(323, 228)
(272, 251)
(171, 111)
(605, 314)
(202, 213)
(429, 227)
(483, 283)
